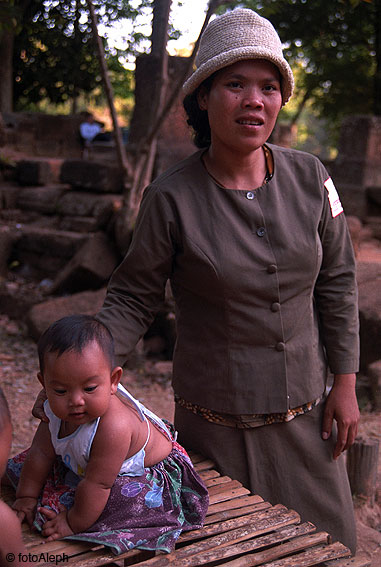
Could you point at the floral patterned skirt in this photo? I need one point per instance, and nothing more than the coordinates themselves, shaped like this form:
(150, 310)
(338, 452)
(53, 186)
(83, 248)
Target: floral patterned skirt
(148, 511)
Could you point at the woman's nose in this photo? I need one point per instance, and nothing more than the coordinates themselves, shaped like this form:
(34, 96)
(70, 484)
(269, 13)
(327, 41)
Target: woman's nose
(252, 98)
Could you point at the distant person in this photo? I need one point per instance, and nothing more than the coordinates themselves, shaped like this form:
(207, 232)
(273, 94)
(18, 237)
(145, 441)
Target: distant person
(120, 479)
(92, 131)
(11, 544)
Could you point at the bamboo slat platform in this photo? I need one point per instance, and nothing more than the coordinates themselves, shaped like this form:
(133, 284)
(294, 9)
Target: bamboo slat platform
(241, 530)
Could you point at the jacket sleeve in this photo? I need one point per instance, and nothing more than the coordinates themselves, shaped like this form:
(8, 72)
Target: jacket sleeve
(136, 290)
(336, 292)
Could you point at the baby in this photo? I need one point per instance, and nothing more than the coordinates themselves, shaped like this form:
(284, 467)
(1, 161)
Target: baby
(120, 479)
(11, 544)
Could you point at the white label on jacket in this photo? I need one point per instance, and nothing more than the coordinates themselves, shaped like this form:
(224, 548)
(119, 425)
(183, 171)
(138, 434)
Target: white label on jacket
(334, 199)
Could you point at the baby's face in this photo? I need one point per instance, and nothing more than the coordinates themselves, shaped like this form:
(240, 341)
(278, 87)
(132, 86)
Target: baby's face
(78, 385)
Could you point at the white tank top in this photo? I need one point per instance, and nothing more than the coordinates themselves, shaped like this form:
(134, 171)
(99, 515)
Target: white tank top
(75, 448)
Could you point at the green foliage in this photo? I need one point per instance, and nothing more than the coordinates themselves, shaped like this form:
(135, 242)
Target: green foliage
(54, 55)
(334, 43)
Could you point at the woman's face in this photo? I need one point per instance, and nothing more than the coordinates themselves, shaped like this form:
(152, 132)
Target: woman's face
(243, 105)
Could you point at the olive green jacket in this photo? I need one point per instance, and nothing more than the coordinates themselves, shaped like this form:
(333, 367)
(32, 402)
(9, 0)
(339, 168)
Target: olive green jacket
(263, 281)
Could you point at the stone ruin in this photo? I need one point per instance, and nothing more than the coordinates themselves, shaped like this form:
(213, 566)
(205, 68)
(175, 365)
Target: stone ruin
(57, 249)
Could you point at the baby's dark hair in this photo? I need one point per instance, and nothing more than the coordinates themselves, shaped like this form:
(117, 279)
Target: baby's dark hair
(5, 416)
(74, 333)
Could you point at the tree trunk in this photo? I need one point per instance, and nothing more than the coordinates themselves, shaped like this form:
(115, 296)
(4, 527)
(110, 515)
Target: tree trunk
(146, 155)
(300, 108)
(6, 81)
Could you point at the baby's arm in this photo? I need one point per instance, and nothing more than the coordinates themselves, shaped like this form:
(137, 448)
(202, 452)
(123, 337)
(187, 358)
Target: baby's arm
(11, 544)
(34, 473)
(109, 450)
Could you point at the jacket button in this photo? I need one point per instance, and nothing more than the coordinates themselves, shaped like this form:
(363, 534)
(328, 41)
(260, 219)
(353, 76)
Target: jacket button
(275, 306)
(261, 231)
(250, 195)
(280, 347)
(271, 269)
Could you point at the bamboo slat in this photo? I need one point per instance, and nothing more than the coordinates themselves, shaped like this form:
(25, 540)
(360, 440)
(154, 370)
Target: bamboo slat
(357, 561)
(310, 557)
(236, 512)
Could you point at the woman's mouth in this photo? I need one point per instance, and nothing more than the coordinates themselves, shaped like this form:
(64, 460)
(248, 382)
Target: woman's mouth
(250, 122)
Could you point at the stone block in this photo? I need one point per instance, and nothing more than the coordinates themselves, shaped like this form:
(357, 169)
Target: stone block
(43, 314)
(373, 224)
(47, 250)
(349, 171)
(353, 198)
(80, 224)
(91, 176)
(90, 268)
(99, 206)
(42, 199)
(374, 201)
(48, 135)
(17, 298)
(55, 242)
(8, 237)
(33, 172)
(360, 136)
(20, 217)
(8, 196)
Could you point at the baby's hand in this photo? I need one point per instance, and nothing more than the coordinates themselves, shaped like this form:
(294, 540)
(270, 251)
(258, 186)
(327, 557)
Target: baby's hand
(57, 525)
(25, 508)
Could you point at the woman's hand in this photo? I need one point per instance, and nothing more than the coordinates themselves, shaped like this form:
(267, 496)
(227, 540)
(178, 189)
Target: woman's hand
(38, 408)
(56, 526)
(25, 508)
(342, 406)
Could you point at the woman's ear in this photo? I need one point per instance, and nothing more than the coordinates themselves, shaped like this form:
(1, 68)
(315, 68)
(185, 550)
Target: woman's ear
(202, 98)
(116, 376)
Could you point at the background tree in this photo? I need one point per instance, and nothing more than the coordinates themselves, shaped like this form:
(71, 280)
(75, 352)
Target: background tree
(53, 55)
(335, 46)
(11, 15)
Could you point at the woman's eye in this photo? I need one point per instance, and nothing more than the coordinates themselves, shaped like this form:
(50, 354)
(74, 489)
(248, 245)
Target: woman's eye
(270, 88)
(90, 389)
(234, 84)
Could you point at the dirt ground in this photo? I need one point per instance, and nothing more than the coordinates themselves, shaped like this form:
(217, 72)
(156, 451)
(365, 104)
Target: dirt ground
(149, 382)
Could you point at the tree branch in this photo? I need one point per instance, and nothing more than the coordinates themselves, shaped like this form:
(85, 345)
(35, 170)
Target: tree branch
(121, 153)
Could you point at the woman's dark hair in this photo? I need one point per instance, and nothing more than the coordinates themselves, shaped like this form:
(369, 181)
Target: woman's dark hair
(74, 333)
(197, 118)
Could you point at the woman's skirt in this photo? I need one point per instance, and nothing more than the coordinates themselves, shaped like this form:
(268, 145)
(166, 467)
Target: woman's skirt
(284, 463)
(147, 512)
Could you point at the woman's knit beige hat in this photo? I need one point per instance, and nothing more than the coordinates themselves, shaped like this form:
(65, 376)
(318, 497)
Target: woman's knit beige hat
(235, 36)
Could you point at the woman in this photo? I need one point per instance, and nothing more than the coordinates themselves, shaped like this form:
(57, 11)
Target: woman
(254, 241)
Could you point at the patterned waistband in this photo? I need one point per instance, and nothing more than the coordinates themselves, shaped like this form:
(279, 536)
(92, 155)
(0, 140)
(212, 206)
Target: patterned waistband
(246, 421)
